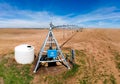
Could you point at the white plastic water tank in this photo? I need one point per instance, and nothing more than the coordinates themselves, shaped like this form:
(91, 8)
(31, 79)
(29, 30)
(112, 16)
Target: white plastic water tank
(24, 54)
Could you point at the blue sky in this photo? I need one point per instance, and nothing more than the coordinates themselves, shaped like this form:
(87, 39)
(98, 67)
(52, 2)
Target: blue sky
(39, 13)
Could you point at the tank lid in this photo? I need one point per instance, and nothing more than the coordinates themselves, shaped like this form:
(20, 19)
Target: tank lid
(24, 47)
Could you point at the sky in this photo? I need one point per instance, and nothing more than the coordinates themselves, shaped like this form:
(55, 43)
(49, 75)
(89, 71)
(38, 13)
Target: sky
(39, 13)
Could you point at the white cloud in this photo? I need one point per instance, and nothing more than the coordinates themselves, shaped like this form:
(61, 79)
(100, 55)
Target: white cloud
(100, 14)
(12, 17)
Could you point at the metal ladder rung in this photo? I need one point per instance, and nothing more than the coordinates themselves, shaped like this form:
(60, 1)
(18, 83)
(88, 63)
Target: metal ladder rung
(50, 42)
(53, 60)
(44, 51)
(57, 51)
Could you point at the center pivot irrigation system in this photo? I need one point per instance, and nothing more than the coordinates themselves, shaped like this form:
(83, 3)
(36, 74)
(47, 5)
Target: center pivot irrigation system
(50, 50)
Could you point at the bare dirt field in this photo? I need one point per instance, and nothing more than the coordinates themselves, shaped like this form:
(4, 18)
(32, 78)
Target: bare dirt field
(97, 52)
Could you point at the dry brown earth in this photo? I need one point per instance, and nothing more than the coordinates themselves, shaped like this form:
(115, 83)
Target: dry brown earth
(97, 43)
